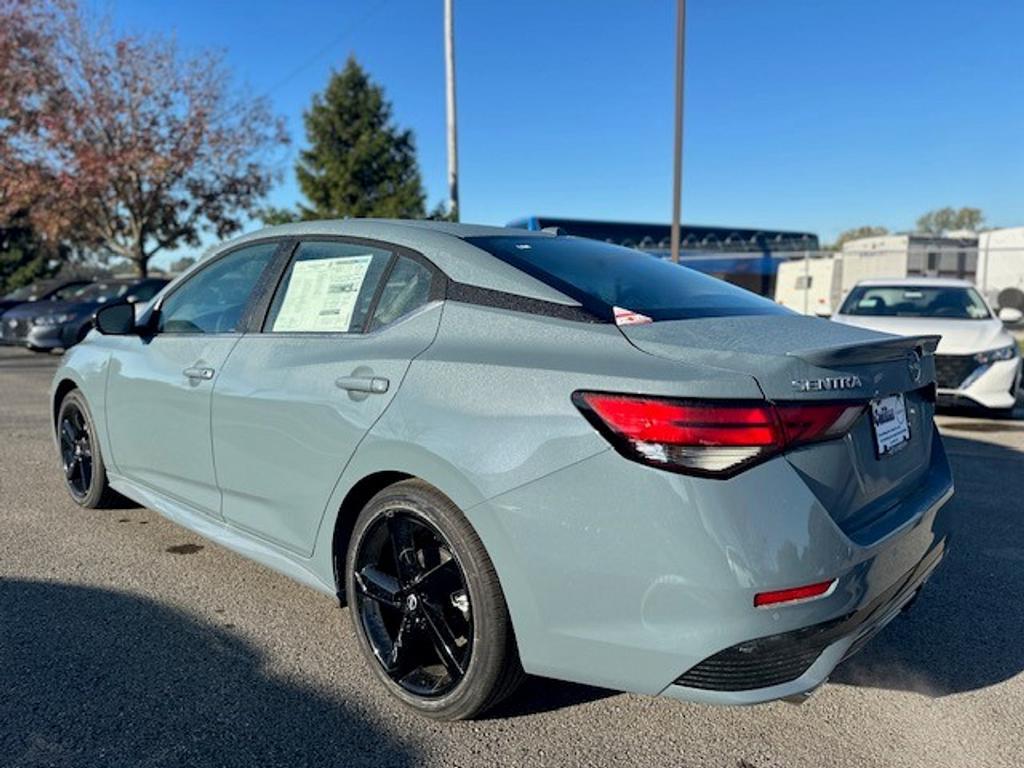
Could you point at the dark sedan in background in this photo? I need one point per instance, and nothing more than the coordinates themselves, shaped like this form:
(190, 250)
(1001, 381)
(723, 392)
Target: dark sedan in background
(43, 290)
(62, 324)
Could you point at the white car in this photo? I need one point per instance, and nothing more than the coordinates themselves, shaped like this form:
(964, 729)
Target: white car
(977, 361)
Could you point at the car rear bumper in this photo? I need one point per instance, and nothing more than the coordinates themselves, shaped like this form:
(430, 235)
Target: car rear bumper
(628, 577)
(792, 663)
(991, 386)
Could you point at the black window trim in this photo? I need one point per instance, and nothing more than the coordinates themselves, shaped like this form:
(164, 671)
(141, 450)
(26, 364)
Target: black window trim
(466, 293)
(592, 305)
(261, 315)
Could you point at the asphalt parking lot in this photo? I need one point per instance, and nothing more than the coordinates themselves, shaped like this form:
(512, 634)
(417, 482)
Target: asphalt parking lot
(127, 640)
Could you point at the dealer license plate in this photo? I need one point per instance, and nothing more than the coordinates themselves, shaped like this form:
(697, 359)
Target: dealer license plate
(889, 419)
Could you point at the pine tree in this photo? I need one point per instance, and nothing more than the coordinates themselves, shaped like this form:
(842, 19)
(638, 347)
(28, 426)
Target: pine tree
(358, 162)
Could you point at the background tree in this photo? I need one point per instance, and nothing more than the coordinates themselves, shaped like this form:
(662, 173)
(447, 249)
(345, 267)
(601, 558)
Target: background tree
(24, 256)
(856, 233)
(358, 162)
(180, 265)
(947, 219)
(120, 144)
(272, 216)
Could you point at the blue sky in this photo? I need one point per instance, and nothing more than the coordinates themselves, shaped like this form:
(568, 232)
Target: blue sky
(802, 115)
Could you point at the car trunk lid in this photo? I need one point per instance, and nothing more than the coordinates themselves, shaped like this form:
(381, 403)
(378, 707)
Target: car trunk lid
(796, 358)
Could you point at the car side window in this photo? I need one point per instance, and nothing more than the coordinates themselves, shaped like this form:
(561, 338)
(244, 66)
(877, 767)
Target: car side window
(214, 299)
(407, 288)
(329, 288)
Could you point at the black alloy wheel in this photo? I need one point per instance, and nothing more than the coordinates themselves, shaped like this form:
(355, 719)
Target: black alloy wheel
(426, 604)
(76, 451)
(81, 459)
(413, 603)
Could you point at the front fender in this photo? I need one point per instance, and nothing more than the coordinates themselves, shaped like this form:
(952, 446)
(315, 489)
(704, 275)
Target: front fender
(85, 367)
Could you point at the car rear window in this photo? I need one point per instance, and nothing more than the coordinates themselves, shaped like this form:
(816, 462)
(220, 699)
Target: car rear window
(601, 276)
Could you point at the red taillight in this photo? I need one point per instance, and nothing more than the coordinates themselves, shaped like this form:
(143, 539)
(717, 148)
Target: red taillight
(808, 422)
(665, 421)
(716, 438)
(793, 595)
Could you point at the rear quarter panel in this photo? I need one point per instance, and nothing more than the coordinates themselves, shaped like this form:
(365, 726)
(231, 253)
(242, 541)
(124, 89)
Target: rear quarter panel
(487, 408)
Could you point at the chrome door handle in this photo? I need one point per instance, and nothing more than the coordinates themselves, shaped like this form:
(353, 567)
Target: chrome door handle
(199, 373)
(374, 385)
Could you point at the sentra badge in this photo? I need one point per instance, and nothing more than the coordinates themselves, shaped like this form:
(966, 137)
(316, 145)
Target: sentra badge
(828, 384)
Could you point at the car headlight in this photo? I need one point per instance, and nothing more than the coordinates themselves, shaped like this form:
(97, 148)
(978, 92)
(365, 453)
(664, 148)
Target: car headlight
(46, 321)
(994, 355)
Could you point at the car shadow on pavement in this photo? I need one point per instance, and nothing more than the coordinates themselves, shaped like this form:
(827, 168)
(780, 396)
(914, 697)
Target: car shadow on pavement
(97, 677)
(963, 634)
(540, 694)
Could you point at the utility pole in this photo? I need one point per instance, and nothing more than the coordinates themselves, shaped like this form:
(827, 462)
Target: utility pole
(677, 177)
(453, 148)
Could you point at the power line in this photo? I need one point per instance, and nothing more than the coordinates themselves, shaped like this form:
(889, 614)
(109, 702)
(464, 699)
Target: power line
(327, 48)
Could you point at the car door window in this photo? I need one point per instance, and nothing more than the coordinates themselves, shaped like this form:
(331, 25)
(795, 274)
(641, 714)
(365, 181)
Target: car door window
(329, 288)
(407, 288)
(214, 299)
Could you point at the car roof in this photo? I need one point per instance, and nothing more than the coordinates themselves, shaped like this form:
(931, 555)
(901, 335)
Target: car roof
(442, 242)
(922, 282)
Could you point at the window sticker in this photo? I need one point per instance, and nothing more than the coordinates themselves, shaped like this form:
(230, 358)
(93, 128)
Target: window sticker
(321, 294)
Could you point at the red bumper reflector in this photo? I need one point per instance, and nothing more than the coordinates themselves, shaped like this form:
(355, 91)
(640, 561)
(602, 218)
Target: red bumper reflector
(795, 594)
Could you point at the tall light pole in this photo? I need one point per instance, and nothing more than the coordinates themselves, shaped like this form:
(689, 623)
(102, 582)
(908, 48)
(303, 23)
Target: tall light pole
(677, 175)
(453, 148)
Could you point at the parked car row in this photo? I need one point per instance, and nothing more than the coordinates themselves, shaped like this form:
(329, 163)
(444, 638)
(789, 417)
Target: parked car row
(42, 290)
(57, 314)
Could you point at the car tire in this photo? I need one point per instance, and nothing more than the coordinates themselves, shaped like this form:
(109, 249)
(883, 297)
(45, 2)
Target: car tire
(440, 585)
(85, 474)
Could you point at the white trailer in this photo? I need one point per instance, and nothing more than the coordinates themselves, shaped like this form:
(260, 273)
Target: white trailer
(810, 285)
(1000, 274)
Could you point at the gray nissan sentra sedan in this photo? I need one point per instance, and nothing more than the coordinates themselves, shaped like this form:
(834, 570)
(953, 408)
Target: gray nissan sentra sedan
(515, 452)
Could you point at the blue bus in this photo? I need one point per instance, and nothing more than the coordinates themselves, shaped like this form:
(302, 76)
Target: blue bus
(747, 257)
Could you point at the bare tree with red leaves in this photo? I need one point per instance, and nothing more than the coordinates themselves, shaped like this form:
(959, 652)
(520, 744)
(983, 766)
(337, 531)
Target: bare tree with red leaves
(119, 144)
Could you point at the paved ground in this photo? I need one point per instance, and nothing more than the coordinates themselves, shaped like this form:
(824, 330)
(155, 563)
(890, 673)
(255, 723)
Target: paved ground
(126, 640)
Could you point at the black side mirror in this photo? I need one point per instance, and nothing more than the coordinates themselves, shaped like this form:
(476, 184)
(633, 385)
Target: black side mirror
(116, 320)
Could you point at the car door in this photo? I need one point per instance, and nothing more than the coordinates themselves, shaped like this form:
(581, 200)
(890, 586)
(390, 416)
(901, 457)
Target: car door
(293, 402)
(160, 383)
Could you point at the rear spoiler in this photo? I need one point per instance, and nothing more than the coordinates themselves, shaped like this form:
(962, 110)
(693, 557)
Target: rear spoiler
(866, 352)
